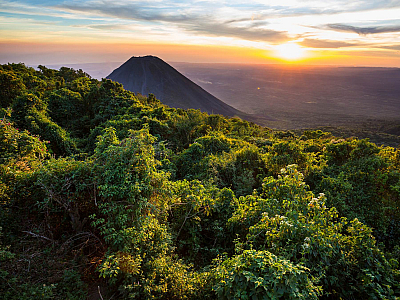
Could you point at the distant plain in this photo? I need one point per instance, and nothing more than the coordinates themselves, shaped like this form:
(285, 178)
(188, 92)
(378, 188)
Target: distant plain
(298, 97)
(359, 101)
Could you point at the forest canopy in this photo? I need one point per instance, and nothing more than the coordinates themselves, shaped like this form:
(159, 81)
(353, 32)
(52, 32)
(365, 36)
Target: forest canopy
(104, 193)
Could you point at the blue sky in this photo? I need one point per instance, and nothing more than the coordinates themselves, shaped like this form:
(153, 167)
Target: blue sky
(329, 28)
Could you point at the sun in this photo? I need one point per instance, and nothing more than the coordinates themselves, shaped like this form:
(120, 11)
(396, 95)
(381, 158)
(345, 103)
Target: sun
(290, 51)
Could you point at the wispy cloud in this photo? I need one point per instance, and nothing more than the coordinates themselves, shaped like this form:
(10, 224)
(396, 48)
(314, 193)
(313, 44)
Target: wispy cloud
(247, 33)
(317, 43)
(395, 47)
(110, 27)
(128, 11)
(364, 30)
(186, 19)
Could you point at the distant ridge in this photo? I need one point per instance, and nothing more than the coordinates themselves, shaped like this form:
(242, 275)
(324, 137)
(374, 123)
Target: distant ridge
(150, 74)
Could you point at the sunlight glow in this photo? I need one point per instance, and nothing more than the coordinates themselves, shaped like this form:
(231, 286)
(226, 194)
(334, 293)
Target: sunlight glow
(258, 31)
(290, 51)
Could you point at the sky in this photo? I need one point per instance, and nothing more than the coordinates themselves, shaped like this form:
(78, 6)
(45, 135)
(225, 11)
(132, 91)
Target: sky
(330, 32)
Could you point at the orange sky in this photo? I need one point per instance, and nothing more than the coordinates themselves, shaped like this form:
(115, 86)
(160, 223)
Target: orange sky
(361, 33)
(72, 53)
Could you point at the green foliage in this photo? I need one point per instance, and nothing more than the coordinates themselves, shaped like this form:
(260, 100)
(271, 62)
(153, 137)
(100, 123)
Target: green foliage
(243, 128)
(71, 286)
(106, 100)
(171, 279)
(363, 187)
(128, 171)
(198, 218)
(29, 111)
(315, 134)
(242, 170)
(289, 221)
(17, 145)
(11, 86)
(194, 159)
(68, 189)
(286, 153)
(66, 107)
(263, 275)
(187, 126)
(14, 288)
(131, 192)
(184, 205)
(70, 74)
(35, 84)
(20, 152)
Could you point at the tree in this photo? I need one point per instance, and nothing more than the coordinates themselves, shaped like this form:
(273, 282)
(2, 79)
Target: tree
(11, 86)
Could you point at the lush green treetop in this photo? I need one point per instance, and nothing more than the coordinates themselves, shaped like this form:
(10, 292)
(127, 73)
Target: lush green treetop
(104, 193)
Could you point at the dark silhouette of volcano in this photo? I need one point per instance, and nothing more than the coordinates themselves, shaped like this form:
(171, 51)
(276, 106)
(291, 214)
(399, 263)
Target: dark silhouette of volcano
(150, 74)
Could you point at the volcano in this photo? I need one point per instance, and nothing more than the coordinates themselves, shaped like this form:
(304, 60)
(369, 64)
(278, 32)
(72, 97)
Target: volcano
(150, 74)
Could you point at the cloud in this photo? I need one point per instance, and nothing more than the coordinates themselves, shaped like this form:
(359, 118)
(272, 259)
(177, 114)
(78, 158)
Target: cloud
(106, 26)
(363, 30)
(239, 20)
(317, 43)
(255, 20)
(298, 8)
(129, 11)
(395, 47)
(368, 4)
(252, 22)
(247, 33)
(184, 18)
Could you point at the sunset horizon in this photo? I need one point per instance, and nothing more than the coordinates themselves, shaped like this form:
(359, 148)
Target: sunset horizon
(295, 32)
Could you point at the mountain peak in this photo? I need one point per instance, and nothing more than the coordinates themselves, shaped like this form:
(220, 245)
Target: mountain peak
(146, 57)
(150, 74)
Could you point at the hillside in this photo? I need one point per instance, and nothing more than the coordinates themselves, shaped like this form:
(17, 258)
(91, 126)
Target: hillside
(150, 74)
(107, 194)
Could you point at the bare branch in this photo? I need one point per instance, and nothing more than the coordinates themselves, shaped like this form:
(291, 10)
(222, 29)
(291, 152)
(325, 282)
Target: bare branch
(38, 236)
(98, 288)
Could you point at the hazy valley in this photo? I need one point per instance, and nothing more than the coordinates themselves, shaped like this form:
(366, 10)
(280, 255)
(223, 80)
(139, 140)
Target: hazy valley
(300, 97)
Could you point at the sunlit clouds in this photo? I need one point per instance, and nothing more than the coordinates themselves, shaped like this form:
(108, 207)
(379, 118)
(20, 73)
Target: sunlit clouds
(316, 30)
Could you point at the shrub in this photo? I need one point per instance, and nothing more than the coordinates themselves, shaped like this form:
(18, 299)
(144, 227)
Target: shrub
(262, 275)
(288, 220)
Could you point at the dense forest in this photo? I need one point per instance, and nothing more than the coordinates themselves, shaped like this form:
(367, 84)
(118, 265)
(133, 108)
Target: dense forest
(107, 194)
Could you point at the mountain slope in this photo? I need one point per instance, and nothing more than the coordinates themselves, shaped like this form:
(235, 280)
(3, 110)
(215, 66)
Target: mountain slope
(150, 74)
